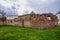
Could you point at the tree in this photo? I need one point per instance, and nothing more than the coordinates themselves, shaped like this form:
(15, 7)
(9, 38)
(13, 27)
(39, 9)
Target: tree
(3, 16)
(58, 13)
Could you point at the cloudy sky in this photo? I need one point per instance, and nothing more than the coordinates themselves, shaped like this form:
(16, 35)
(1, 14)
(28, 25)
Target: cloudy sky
(12, 7)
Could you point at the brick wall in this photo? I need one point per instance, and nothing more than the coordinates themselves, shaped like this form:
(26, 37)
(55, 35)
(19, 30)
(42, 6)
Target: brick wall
(43, 21)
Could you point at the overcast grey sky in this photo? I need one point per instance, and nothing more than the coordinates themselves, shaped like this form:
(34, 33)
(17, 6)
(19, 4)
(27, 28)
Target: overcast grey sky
(26, 6)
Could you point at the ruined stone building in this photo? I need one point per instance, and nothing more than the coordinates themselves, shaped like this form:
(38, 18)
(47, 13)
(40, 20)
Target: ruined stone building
(41, 21)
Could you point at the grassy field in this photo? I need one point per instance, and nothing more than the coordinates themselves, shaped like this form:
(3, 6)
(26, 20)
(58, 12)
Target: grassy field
(19, 33)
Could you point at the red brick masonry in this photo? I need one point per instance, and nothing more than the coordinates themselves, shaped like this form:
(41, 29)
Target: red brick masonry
(43, 21)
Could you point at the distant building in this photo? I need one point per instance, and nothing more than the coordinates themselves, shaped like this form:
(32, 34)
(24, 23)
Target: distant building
(12, 16)
(10, 19)
(59, 17)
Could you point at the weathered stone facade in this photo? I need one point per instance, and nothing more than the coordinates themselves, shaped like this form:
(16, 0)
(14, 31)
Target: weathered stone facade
(41, 21)
(44, 21)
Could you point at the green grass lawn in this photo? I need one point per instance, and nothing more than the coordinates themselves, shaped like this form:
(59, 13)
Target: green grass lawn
(19, 33)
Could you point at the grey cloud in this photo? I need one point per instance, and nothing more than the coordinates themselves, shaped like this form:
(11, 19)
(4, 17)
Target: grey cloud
(2, 7)
(9, 11)
(44, 7)
(11, 0)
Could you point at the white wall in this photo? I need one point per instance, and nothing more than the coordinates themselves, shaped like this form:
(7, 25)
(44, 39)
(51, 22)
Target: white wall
(12, 17)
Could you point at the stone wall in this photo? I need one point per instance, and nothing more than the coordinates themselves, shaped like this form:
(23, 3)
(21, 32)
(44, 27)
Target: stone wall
(43, 21)
(15, 21)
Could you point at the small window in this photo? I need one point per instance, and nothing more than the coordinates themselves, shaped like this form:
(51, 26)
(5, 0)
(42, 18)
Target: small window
(11, 21)
(34, 16)
(49, 18)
